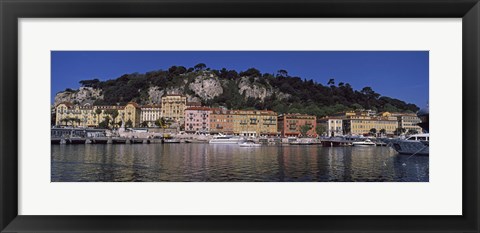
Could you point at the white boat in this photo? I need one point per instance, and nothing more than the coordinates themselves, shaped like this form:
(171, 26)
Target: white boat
(301, 143)
(171, 140)
(366, 142)
(249, 144)
(416, 144)
(226, 139)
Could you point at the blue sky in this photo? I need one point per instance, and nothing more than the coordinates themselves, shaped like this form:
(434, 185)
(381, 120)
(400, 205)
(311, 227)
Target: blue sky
(397, 74)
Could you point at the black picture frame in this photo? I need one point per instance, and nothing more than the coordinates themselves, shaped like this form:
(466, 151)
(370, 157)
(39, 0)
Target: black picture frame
(11, 11)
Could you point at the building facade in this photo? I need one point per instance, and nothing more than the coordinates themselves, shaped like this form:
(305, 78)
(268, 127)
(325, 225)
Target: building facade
(68, 114)
(290, 125)
(362, 123)
(254, 123)
(409, 122)
(197, 120)
(333, 126)
(221, 121)
(173, 107)
(149, 114)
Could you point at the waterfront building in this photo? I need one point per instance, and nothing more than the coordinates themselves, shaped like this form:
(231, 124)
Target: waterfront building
(131, 115)
(362, 122)
(197, 119)
(290, 124)
(333, 126)
(254, 123)
(173, 107)
(409, 122)
(91, 116)
(149, 114)
(221, 121)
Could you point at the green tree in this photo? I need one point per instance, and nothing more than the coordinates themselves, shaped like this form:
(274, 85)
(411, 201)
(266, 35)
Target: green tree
(89, 83)
(399, 131)
(373, 131)
(200, 66)
(304, 130)
(412, 131)
(282, 73)
(383, 131)
(129, 123)
(144, 124)
(160, 122)
(252, 72)
(320, 130)
(331, 81)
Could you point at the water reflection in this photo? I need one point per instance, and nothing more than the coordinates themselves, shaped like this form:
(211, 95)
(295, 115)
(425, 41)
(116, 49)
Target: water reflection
(205, 162)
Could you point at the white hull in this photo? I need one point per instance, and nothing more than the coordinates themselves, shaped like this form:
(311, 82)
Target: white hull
(411, 147)
(249, 145)
(363, 144)
(225, 141)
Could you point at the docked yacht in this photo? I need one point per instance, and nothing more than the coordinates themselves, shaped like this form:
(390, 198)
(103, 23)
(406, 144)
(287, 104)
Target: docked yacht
(366, 142)
(226, 139)
(249, 144)
(416, 144)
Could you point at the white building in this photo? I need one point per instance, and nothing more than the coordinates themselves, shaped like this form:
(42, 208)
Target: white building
(149, 114)
(333, 126)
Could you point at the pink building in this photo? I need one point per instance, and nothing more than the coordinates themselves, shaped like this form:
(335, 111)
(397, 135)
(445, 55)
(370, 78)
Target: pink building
(197, 119)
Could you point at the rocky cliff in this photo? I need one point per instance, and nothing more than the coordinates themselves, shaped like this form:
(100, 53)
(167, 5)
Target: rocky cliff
(84, 95)
(248, 89)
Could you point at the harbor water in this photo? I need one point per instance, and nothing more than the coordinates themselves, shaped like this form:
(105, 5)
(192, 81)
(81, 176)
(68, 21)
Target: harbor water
(231, 163)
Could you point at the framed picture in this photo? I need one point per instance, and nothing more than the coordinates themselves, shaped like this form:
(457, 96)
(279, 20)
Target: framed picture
(239, 116)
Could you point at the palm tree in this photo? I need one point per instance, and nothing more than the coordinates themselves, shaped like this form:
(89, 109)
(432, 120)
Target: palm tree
(373, 131)
(114, 115)
(383, 131)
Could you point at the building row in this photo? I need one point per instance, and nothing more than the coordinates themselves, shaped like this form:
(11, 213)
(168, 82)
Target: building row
(362, 122)
(174, 109)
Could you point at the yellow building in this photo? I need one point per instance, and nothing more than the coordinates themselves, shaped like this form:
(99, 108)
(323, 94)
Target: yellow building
(254, 122)
(91, 116)
(173, 107)
(409, 122)
(361, 122)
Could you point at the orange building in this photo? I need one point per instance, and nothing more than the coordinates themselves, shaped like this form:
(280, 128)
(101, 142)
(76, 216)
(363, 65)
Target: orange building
(290, 124)
(221, 121)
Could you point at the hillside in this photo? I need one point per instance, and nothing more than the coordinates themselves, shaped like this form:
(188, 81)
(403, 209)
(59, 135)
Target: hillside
(248, 89)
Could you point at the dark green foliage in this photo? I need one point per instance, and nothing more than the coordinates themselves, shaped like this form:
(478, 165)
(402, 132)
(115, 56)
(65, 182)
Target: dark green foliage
(252, 72)
(89, 83)
(129, 124)
(200, 66)
(290, 94)
(304, 130)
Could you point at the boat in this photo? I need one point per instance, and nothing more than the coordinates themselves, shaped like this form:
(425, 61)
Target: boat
(225, 139)
(416, 144)
(171, 140)
(249, 144)
(300, 143)
(100, 140)
(55, 140)
(196, 141)
(119, 140)
(76, 140)
(366, 142)
(136, 141)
